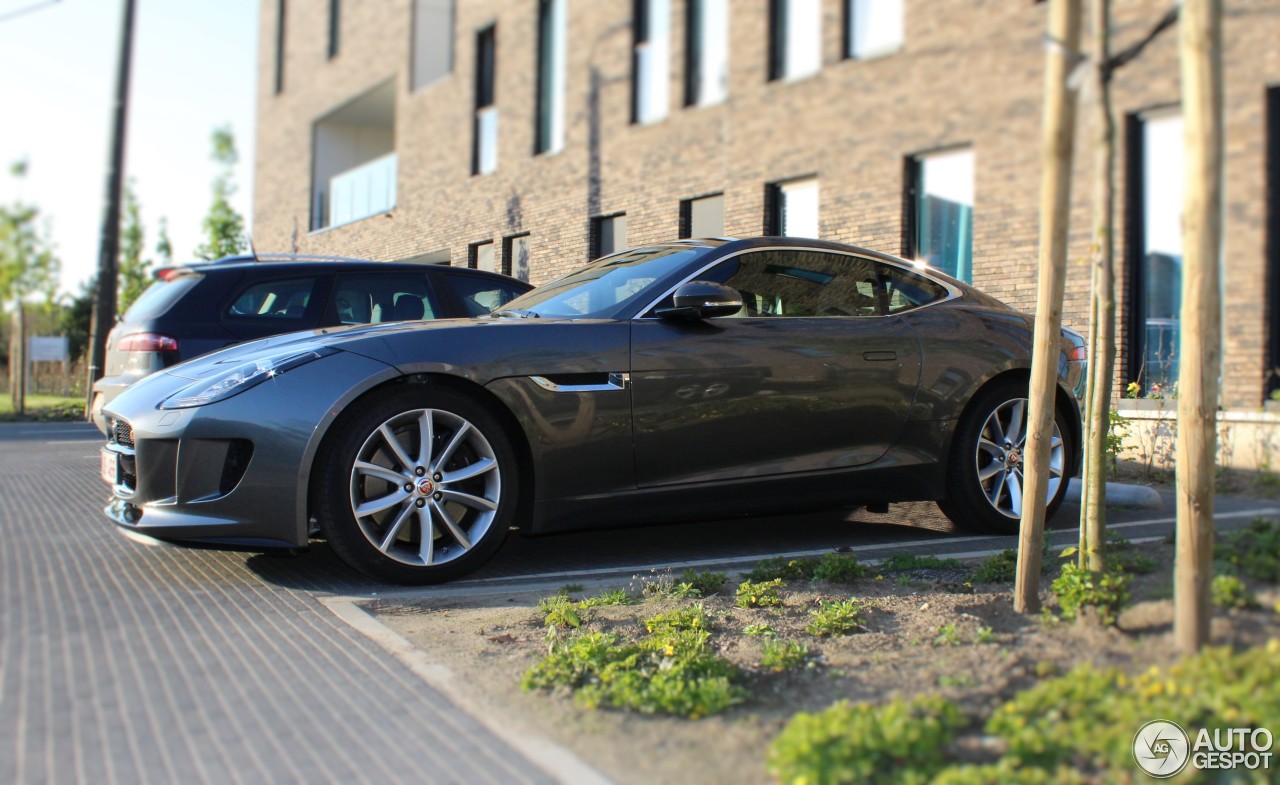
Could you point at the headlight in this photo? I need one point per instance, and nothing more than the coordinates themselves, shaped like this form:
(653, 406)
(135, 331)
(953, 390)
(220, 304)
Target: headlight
(241, 376)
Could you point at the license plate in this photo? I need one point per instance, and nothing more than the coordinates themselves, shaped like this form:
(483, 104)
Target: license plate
(108, 466)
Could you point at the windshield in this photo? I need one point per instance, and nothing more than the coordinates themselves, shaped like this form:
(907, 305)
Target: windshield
(158, 297)
(603, 288)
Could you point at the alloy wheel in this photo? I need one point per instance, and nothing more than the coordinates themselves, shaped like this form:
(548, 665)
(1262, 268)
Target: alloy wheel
(1000, 453)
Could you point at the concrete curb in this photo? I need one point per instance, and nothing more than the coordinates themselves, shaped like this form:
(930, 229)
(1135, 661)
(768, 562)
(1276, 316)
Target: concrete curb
(1121, 495)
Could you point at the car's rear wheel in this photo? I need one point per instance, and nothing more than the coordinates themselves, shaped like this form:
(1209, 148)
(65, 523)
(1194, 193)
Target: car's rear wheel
(985, 480)
(419, 486)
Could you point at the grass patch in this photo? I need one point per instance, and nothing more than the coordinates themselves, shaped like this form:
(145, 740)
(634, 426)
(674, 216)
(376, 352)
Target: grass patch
(759, 595)
(902, 562)
(779, 655)
(1000, 568)
(44, 408)
(1254, 551)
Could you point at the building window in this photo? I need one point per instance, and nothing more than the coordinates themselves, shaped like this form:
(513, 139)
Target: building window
(872, 27)
(484, 157)
(793, 208)
(335, 26)
(483, 256)
(431, 49)
(795, 38)
(279, 76)
(706, 53)
(940, 221)
(608, 234)
(515, 256)
(651, 61)
(1154, 247)
(354, 160)
(702, 217)
(551, 31)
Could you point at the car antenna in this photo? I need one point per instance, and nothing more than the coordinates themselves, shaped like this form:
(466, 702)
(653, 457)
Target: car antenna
(253, 250)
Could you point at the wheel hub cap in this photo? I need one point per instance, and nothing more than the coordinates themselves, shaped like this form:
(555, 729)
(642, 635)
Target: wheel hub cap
(426, 487)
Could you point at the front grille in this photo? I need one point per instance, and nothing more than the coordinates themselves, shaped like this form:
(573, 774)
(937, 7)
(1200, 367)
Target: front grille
(128, 473)
(122, 433)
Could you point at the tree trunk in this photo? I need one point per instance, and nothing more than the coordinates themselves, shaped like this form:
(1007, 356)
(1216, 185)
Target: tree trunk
(1055, 203)
(1200, 44)
(1102, 328)
(18, 360)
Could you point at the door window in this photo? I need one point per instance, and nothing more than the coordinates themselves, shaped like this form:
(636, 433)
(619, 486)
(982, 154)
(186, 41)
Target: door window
(801, 284)
(386, 297)
(481, 294)
(284, 300)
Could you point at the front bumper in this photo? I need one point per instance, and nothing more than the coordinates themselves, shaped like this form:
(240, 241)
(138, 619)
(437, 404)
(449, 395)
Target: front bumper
(233, 473)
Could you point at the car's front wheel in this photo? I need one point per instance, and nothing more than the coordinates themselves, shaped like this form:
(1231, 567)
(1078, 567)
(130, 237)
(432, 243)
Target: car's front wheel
(985, 481)
(419, 486)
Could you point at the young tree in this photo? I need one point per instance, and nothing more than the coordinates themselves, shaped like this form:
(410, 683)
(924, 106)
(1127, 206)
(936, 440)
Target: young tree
(164, 246)
(1200, 53)
(1055, 202)
(28, 265)
(133, 270)
(223, 226)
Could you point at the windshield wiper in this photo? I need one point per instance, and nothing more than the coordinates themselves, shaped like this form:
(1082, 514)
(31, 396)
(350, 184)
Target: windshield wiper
(518, 314)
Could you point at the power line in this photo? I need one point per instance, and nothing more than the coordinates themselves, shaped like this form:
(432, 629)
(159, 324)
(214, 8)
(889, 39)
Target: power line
(22, 11)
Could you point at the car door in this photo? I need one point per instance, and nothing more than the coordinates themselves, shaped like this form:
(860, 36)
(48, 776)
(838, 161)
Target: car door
(811, 374)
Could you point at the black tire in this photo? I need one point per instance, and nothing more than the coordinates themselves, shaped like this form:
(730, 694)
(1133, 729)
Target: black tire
(386, 542)
(969, 502)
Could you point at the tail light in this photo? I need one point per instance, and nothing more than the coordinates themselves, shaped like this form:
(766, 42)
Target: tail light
(1078, 354)
(148, 342)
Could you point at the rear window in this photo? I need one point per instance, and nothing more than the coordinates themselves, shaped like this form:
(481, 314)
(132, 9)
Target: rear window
(159, 298)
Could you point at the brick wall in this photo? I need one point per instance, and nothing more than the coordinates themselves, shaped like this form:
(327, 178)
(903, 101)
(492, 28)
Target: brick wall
(970, 73)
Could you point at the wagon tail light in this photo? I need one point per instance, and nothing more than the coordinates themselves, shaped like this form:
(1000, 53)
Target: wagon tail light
(1078, 354)
(148, 342)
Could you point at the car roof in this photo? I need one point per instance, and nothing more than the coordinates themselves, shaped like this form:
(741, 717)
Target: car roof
(298, 263)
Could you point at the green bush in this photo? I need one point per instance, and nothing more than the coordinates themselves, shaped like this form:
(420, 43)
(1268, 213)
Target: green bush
(759, 595)
(781, 655)
(1088, 717)
(836, 618)
(561, 611)
(779, 568)
(1000, 568)
(1077, 588)
(1254, 551)
(1228, 591)
(900, 742)
(670, 671)
(901, 562)
(839, 568)
(705, 583)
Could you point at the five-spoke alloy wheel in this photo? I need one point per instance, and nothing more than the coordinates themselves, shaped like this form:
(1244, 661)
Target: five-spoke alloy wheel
(985, 482)
(418, 487)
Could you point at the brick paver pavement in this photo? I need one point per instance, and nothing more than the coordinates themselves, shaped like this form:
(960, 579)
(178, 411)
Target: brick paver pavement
(123, 663)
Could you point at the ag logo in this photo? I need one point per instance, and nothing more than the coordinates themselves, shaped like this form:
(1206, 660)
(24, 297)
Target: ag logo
(1161, 748)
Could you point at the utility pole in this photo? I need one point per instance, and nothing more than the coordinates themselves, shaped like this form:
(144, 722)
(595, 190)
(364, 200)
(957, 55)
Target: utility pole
(1200, 356)
(1063, 55)
(104, 303)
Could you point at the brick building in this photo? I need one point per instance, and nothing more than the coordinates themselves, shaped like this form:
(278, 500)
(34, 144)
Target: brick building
(532, 135)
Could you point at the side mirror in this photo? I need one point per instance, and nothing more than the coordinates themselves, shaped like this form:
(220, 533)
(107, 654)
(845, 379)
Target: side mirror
(702, 300)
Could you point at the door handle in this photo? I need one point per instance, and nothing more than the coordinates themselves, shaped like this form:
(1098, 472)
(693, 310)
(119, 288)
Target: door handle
(879, 356)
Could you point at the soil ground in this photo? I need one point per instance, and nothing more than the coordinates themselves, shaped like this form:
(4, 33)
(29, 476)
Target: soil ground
(489, 643)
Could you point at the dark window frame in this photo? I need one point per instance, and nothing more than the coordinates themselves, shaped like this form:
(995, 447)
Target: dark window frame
(686, 212)
(508, 242)
(773, 202)
(640, 33)
(544, 62)
(692, 52)
(280, 39)
(485, 85)
(1134, 240)
(1272, 229)
(595, 235)
(335, 27)
(473, 253)
(777, 39)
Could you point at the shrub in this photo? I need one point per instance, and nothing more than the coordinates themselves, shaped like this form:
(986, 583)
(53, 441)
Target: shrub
(901, 562)
(1000, 568)
(1228, 591)
(898, 742)
(759, 595)
(1077, 588)
(670, 671)
(1088, 717)
(1254, 551)
(779, 568)
(783, 655)
(705, 583)
(839, 568)
(836, 618)
(561, 611)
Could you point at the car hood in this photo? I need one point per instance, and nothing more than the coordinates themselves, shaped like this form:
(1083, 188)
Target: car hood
(421, 345)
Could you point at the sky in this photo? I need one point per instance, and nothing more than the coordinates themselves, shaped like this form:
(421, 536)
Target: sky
(194, 70)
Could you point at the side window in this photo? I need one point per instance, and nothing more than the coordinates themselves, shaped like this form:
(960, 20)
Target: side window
(801, 284)
(286, 300)
(906, 290)
(382, 297)
(481, 294)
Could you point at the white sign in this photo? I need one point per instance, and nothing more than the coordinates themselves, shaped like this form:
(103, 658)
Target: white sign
(42, 349)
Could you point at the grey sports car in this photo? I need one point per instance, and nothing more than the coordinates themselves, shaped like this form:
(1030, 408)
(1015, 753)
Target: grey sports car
(675, 381)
